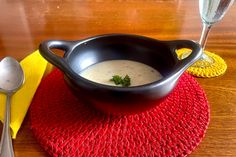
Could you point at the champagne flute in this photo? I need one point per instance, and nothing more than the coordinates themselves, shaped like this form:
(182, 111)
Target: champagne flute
(211, 11)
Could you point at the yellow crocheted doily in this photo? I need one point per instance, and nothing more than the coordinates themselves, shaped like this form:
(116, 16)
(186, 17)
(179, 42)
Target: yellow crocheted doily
(218, 67)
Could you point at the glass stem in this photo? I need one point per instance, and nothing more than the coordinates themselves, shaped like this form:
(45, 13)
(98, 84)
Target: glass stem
(205, 32)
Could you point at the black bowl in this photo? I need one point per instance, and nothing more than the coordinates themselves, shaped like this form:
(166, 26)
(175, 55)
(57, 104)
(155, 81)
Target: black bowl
(160, 55)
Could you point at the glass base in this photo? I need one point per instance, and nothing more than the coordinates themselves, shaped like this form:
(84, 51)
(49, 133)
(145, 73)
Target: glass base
(203, 62)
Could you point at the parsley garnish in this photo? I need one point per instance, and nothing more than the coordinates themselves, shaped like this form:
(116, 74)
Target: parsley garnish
(118, 80)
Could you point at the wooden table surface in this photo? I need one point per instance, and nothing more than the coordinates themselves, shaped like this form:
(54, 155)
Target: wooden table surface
(24, 24)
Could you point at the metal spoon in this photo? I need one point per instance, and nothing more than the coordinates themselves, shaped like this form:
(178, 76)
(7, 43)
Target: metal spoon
(11, 79)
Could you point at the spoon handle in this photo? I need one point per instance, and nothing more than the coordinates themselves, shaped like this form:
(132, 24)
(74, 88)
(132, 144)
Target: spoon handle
(6, 148)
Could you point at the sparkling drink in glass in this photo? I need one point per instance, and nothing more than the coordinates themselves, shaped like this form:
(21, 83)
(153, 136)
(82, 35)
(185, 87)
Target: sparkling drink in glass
(211, 11)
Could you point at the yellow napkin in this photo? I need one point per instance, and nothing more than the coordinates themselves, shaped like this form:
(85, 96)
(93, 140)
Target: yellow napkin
(35, 67)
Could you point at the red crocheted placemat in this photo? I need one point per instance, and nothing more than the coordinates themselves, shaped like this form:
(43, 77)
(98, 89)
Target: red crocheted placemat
(66, 127)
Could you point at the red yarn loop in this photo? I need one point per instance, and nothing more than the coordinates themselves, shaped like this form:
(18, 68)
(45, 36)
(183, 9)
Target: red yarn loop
(66, 127)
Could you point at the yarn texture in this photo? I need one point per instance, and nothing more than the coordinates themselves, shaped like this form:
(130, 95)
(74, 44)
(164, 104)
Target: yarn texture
(217, 68)
(66, 127)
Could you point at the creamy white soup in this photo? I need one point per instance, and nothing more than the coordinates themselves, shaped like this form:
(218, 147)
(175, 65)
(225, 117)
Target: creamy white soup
(139, 73)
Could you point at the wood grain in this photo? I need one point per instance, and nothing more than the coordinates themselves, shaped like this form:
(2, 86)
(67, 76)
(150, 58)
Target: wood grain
(24, 24)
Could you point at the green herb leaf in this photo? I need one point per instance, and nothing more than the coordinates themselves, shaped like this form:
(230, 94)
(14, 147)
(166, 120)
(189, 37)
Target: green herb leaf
(126, 81)
(118, 80)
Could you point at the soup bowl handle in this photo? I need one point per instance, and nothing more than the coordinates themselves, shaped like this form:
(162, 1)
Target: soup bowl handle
(195, 53)
(45, 49)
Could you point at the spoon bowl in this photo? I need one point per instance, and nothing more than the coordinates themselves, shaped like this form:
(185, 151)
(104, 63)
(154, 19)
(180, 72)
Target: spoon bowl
(11, 75)
(12, 78)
